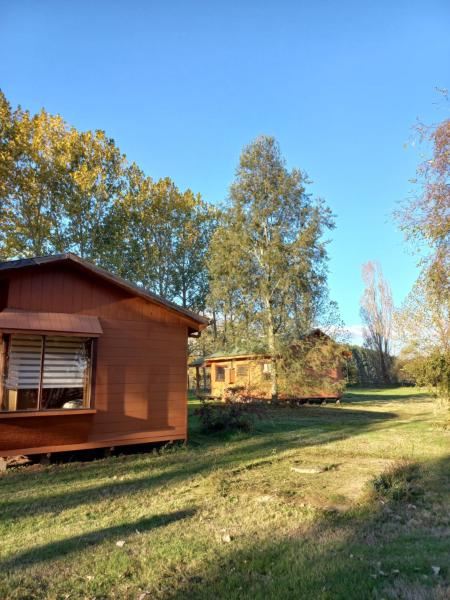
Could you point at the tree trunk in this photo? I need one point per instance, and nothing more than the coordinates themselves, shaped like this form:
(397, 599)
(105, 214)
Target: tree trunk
(384, 369)
(214, 323)
(272, 350)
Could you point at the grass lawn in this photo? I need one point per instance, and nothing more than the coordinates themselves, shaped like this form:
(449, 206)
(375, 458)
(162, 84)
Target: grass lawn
(239, 515)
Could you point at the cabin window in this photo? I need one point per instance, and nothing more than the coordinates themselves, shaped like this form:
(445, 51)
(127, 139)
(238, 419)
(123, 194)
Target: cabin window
(242, 371)
(220, 373)
(266, 369)
(46, 372)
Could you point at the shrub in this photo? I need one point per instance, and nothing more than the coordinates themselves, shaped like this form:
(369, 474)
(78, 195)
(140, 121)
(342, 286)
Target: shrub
(243, 394)
(430, 371)
(226, 417)
(400, 482)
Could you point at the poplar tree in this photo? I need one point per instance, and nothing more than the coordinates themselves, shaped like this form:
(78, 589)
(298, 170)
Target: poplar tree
(377, 310)
(268, 258)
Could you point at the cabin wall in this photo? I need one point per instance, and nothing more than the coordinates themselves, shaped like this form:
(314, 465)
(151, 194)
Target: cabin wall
(139, 390)
(254, 379)
(257, 382)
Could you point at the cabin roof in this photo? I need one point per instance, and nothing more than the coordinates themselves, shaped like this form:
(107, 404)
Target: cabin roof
(85, 265)
(197, 362)
(235, 354)
(239, 353)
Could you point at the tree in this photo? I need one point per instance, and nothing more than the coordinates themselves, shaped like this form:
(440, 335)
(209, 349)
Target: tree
(377, 314)
(33, 152)
(425, 218)
(268, 257)
(65, 190)
(423, 322)
(162, 238)
(58, 185)
(363, 367)
(6, 168)
(423, 328)
(193, 231)
(93, 182)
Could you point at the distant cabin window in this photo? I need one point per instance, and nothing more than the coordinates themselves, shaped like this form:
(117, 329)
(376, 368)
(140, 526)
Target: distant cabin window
(46, 372)
(242, 370)
(220, 373)
(266, 370)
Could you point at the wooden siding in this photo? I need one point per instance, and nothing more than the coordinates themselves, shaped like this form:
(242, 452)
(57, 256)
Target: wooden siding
(140, 376)
(254, 380)
(26, 321)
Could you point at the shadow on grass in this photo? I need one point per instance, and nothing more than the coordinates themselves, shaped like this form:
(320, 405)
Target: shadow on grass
(381, 550)
(79, 543)
(289, 428)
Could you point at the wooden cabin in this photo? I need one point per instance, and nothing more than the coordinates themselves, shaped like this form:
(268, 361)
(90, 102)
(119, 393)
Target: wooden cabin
(252, 373)
(88, 360)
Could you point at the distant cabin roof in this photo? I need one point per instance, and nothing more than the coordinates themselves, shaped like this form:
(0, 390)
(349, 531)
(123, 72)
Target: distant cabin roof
(85, 265)
(217, 356)
(197, 362)
(239, 353)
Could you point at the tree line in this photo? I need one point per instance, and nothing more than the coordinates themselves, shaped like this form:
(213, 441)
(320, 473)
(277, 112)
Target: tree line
(66, 190)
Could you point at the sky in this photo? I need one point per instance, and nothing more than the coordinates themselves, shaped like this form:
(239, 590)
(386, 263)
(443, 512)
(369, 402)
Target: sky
(182, 86)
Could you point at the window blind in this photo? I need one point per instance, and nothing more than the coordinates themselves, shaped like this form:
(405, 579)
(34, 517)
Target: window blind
(24, 364)
(65, 362)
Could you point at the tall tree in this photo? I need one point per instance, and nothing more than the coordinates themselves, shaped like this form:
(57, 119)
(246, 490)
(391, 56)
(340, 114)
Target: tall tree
(377, 314)
(58, 185)
(425, 218)
(163, 238)
(424, 319)
(193, 229)
(66, 190)
(6, 169)
(269, 257)
(34, 150)
(93, 181)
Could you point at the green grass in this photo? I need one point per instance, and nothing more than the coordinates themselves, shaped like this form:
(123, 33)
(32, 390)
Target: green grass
(228, 516)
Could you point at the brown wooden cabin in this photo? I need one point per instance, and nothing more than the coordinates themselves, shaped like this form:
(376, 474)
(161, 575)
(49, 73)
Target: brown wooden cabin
(252, 372)
(88, 360)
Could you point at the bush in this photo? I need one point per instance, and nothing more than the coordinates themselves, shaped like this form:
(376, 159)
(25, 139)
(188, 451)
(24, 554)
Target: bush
(430, 371)
(242, 394)
(400, 482)
(230, 416)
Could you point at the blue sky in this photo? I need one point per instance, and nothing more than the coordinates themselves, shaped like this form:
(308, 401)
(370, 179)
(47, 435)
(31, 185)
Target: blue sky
(182, 86)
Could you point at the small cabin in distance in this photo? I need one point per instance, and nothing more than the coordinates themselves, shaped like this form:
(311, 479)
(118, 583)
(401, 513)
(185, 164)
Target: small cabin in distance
(213, 375)
(87, 359)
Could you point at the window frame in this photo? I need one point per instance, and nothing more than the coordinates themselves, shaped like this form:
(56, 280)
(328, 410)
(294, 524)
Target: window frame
(223, 368)
(89, 376)
(242, 371)
(266, 373)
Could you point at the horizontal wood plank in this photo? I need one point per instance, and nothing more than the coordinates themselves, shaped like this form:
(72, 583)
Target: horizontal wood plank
(140, 379)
